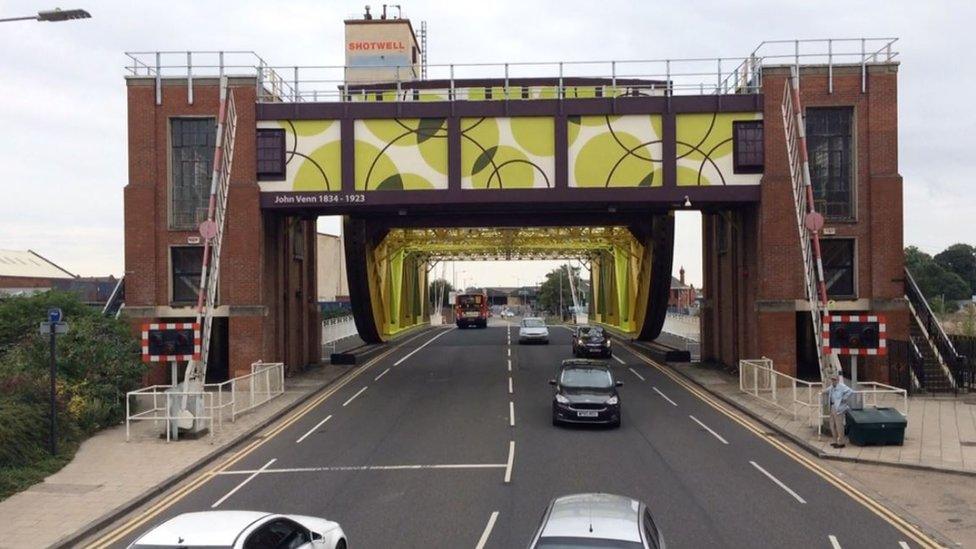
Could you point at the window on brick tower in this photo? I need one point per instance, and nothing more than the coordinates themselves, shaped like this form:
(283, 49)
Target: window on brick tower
(186, 263)
(829, 144)
(192, 143)
(839, 264)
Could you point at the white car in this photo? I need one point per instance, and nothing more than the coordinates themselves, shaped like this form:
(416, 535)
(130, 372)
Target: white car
(243, 530)
(597, 520)
(533, 329)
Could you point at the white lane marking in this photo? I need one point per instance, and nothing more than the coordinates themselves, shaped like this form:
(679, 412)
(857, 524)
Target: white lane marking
(833, 541)
(511, 414)
(618, 359)
(904, 545)
(313, 429)
(665, 397)
(509, 365)
(488, 527)
(509, 352)
(341, 468)
(509, 385)
(241, 485)
(709, 429)
(429, 341)
(353, 397)
(636, 374)
(778, 482)
(377, 378)
(511, 461)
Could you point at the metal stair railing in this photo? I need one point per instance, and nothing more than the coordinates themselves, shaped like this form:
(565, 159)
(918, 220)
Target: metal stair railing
(945, 352)
(113, 307)
(808, 221)
(213, 229)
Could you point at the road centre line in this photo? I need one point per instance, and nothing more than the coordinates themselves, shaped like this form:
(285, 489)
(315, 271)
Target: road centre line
(241, 485)
(633, 371)
(509, 352)
(664, 396)
(511, 414)
(509, 385)
(487, 532)
(313, 429)
(509, 365)
(353, 397)
(377, 378)
(511, 461)
(709, 429)
(833, 541)
(780, 483)
(618, 359)
(903, 545)
(176, 495)
(429, 341)
(341, 468)
(881, 511)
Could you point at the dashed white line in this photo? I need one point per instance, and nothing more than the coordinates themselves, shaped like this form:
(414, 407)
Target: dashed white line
(429, 341)
(509, 352)
(509, 365)
(833, 541)
(665, 397)
(709, 429)
(340, 468)
(509, 385)
(313, 429)
(511, 414)
(778, 482)
(618, 359)
(377, 378)
(904, 545)
(511, 461)
(353, 397)
(488, 527)
(636, 374)
(241, 485)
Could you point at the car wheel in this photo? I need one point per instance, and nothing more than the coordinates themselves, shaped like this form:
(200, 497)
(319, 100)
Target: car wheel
(341, 544)
(615, 424)
(555, 422)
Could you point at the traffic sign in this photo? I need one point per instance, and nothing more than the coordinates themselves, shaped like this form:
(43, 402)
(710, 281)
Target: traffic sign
(855, 335)
(54, 314)
(59, 328)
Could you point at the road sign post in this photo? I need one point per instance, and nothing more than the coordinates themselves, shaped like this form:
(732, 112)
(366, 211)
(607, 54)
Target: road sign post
(53, 327)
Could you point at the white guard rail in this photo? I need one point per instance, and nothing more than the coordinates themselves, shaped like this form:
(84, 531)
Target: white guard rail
(805, 399)
(225, 400)
(336, 329)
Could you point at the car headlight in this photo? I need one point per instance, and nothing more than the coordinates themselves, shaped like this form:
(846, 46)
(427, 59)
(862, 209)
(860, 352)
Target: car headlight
(612, 400)
(606, 342)
(561, 399)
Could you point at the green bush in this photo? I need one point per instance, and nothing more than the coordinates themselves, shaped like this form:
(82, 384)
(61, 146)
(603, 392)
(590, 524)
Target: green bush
(97, 363)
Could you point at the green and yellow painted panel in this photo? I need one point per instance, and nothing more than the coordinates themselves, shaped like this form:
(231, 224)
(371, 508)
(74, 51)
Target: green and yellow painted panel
(704, 149)
(401, 154)
(313, 160)
(507, 153)
(615, 151)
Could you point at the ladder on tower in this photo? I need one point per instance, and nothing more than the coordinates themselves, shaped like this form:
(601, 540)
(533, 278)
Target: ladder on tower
(808, 221)
(212, 231)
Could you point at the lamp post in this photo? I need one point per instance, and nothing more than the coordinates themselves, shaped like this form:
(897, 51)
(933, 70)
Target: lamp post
(51, 16)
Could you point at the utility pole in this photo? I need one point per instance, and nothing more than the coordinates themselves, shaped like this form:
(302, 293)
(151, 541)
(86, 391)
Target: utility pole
(560, 294)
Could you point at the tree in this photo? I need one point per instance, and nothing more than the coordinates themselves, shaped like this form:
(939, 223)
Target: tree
(549, 290)
(933, 279)
(961, 260)
(435, 286)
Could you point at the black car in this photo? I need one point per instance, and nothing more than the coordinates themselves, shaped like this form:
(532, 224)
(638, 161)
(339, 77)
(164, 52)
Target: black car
(585, 393)
(591, 341)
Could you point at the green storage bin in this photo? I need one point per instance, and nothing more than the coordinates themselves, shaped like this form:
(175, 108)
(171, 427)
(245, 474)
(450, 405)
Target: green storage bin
(876, 426)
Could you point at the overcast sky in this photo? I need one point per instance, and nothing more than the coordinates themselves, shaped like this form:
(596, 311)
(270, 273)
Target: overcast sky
(62, 94)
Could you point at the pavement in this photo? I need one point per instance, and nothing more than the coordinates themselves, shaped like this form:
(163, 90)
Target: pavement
(108, 474)
(446, 440)
(940, 435)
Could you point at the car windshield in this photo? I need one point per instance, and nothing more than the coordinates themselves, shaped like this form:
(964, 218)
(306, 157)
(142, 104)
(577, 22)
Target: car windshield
(593, 332)
(586, 377)
(585, 543)
(533, 323)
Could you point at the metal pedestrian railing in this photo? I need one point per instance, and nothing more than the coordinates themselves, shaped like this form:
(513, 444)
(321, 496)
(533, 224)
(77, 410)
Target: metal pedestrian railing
(617, 79)
(336, 329)
(225, 401)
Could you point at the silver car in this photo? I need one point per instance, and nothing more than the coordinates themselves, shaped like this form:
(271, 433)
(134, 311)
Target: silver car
(533, 329)
(597, 521)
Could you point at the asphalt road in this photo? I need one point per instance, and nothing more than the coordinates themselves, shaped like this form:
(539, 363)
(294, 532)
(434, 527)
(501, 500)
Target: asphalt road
(414, 452)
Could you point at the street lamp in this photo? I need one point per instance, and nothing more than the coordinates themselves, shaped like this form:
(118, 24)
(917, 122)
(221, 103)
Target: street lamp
(51, 16)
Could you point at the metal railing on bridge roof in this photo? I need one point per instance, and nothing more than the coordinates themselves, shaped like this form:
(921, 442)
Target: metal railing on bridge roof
(515, 81)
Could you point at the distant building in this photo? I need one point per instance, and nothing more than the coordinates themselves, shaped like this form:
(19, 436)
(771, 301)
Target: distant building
(330, 272)
(28, 272)
(683, 296)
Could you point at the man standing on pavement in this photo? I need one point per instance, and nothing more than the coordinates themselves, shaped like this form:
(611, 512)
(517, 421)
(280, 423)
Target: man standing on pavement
(838, 393)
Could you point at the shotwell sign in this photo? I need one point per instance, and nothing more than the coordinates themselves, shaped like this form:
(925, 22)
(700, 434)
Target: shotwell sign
(388, 45)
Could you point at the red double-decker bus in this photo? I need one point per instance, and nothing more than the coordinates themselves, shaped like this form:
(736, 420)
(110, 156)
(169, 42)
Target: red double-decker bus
(471, 310)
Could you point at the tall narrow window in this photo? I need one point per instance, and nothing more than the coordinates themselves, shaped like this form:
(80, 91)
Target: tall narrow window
(271, 154)
(829, 144)
(747, 145)
(838, 265)
(186, 263)
(192, 141)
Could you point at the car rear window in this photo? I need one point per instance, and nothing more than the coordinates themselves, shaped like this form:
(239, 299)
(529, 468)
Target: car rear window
(586, 377)
(585, 543)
